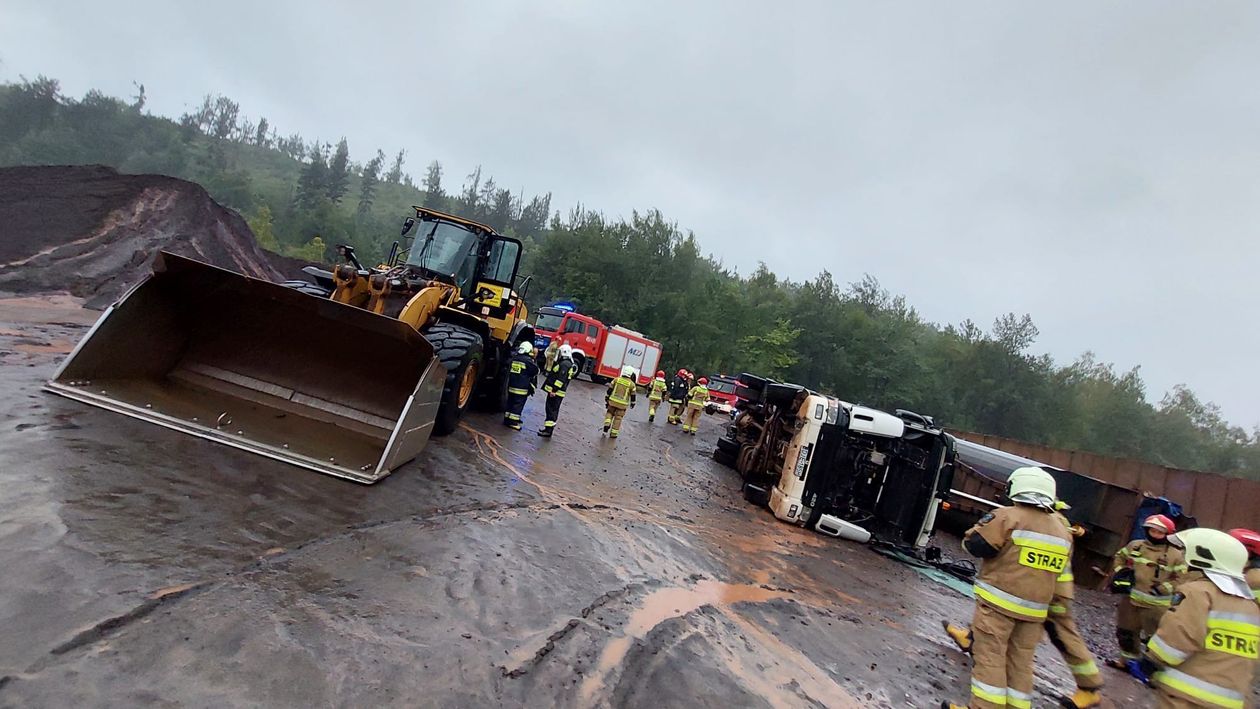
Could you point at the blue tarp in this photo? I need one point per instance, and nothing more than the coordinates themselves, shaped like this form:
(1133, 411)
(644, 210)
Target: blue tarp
(1160, 506)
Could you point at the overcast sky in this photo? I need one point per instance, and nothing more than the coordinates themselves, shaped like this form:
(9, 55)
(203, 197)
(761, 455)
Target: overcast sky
(1094, 164)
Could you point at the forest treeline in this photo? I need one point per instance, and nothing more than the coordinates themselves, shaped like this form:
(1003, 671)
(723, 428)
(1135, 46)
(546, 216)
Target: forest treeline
(855, 340)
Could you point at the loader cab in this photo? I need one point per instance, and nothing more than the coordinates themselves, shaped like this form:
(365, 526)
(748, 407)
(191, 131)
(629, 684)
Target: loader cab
(480, 263)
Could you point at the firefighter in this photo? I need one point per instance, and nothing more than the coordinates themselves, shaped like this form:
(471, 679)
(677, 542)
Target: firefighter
(550, 354)
(555, 384)
(1025, 549)
(697, 397)
(1204, 652)
(1061, 629)
(1154, 565)
(620, 396)
(522, 371)
(1251, 541)
(678, 395)
(656, 394)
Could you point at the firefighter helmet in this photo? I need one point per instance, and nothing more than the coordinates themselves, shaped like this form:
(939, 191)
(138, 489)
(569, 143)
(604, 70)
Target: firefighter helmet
(1214, 550)
(1031, 479)
(660, 374)
(682, 373)
(1249, 539)
(703, 381)
(627, 372)
(1161, 522)
(525, 348)
(566, 351)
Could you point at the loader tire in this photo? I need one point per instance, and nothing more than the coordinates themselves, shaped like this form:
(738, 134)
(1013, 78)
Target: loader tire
(462, 352)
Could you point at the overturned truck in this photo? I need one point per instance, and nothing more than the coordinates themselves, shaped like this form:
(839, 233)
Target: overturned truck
(841, 469)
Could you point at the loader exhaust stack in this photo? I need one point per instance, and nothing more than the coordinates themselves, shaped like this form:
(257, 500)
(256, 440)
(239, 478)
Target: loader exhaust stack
(261, 367)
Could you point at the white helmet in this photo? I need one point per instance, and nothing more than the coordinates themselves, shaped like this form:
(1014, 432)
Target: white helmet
(627, 372)
(525, 348)
(566, 351)
(1031, 479)
(1214, 550)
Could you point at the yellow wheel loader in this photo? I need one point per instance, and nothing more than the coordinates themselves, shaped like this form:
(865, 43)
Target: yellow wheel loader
(347, 374)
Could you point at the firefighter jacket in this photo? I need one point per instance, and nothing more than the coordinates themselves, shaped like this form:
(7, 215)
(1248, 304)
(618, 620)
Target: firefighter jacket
(678, 390)
(621, 392)
(559, 376)
(698, 396)
(1033, 549)
(522, 371)
(656, 390)
(1253, 580)
(1156, 570)
(1065, 584)
(1207, 644)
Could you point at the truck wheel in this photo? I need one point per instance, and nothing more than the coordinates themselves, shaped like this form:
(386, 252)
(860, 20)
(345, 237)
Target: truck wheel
(462, 352)
(723, 457)
(727, 452)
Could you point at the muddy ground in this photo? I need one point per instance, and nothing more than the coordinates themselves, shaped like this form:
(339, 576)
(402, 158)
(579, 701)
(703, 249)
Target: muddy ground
(145, 567)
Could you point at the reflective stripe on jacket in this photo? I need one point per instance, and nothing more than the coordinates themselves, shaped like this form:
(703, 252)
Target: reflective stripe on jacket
(521, 374)
(1156, 569)
(1208, 644)
(698, 396)
(657, 391)
(621, 391)
(559, 376)
(1034, 549)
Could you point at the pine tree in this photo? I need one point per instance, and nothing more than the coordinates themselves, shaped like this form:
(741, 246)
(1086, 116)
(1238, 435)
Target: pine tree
(338, 181)
(371, 178)
(433, 195)
(394, 176)
(313, 182)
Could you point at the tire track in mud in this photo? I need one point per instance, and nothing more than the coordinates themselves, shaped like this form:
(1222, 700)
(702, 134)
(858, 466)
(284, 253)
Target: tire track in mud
(107, 628)
(672, 602)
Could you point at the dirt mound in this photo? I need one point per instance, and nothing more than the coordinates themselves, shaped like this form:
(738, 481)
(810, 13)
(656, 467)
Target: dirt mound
(90, 230)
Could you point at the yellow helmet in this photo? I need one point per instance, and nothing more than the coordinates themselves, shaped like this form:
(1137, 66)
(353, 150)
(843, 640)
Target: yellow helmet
(1031, 479)
(1214, 550)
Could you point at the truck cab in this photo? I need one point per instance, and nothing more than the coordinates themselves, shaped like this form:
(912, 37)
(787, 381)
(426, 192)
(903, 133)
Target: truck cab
(722, 395)
(839, 468)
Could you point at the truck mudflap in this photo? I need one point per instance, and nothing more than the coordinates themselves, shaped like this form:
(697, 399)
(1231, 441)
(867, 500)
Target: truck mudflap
(261, 367)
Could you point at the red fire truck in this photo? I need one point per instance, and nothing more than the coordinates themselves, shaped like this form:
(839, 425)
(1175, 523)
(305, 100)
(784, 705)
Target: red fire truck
(722, 396)
(599, 350)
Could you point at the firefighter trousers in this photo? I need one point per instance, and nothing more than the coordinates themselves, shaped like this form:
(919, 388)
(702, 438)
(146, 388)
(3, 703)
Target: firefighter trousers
(652, 404)
(612, 419)
(553, 410)
(675, 411)
(1002, 653)
(1066, 638)
(1134, 626)
(691, 420)
(512, 414)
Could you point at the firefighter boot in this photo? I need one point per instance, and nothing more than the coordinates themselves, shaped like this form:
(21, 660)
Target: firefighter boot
(1083, 699)
(960, 635)
(951, 705)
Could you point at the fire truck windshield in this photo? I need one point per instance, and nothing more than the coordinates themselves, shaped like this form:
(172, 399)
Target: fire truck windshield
(549, 319)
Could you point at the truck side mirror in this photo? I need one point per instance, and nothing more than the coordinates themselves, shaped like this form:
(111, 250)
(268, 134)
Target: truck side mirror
(408, 223)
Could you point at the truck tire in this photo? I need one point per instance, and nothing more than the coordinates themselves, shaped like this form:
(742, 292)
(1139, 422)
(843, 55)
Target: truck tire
(726, 452)
(462, 352)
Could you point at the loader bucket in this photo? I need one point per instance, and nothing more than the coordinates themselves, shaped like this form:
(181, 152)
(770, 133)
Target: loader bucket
(261, 367)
